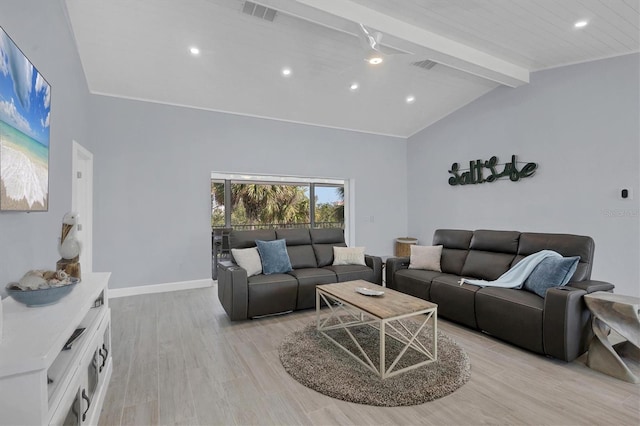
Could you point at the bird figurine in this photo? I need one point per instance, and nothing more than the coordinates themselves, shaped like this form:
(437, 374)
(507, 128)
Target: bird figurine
(69, 246)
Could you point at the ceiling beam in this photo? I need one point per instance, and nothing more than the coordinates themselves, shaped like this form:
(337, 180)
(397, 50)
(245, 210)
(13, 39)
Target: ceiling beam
(438, 48)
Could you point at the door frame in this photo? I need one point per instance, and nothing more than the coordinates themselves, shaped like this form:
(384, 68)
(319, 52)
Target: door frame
(80, 156)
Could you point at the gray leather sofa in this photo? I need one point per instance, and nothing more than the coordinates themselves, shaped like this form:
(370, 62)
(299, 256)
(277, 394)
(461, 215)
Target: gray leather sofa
(311, 255)
(556, 325)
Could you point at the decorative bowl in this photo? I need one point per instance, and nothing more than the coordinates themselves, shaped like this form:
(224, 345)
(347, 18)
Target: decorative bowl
(369, 292)
(42, 296)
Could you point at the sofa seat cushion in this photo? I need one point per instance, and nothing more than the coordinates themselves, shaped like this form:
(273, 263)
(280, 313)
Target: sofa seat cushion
(352, 272)
(415, 282)
(269, 294)
(308, 278)
(455, 302)
(511, 315)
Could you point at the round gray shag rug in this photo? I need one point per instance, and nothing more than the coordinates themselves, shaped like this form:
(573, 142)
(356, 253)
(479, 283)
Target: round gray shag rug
(317, 363)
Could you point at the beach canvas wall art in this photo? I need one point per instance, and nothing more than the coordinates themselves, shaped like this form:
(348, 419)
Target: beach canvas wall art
(25, 103)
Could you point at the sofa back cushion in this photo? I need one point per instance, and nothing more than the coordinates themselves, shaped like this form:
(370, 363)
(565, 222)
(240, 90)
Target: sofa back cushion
(488, 254)
(324, 253)
(302, 257)
(566, 244)
(491, 254)
(299, 247)
(245, 239)
(455, 247)
(495, 241)
(294, 237)
(486, 265)
(327, 236)
(323, 241)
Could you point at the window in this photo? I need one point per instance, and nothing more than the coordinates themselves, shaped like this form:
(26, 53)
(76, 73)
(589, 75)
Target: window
(265, 202)
(329, 206)
(217, 204)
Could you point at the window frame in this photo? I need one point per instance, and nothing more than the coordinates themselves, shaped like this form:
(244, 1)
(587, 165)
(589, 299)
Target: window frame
(250, 178)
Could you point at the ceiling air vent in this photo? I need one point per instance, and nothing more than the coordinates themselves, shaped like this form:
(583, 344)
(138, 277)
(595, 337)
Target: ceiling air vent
(259, 11)
(426, 64)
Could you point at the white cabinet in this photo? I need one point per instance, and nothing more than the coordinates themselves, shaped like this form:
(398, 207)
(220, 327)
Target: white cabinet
(40, 383)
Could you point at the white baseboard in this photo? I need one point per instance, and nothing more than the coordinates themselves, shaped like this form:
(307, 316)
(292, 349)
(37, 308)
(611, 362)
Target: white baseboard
(159, 288)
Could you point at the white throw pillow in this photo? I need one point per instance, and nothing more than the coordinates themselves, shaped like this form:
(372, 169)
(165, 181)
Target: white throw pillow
(425, 257)
(249, 260)
(348, 256)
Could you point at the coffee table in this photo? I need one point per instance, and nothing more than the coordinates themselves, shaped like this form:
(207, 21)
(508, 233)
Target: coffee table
(384, 313)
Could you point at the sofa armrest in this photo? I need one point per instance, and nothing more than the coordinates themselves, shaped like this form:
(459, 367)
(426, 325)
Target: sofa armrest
(233, 290)
(592, 285)
(566, 329)
(395, 264)
(375, 263)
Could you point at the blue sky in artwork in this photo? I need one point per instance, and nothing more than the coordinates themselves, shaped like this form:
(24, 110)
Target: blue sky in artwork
(25, 97)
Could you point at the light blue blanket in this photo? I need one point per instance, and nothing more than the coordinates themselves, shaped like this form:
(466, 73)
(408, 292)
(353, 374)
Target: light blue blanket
(516, 276)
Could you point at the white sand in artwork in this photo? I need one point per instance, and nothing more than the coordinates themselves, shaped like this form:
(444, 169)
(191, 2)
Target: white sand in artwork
(23, 177)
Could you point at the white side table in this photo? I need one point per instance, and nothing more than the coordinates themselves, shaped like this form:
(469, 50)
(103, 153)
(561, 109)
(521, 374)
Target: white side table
(622, 314)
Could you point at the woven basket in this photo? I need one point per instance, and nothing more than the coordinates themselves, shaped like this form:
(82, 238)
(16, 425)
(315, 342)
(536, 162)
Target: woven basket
(403, 246)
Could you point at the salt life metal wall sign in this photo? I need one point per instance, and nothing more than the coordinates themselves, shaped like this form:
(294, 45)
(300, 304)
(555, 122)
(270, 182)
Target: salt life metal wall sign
(487, 171)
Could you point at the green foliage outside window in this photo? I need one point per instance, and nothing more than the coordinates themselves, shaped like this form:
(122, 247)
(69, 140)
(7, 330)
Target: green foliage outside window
(268, 205)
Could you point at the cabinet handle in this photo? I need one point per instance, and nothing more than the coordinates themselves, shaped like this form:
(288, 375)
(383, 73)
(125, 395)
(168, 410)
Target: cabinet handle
(86, 398)
(106, 354)
(104, 359)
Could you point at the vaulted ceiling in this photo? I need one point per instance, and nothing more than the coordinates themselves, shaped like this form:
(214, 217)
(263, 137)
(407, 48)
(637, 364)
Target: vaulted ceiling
(140, 49)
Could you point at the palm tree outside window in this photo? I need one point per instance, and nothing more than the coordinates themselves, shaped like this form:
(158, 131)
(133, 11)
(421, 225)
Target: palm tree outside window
(265, 205)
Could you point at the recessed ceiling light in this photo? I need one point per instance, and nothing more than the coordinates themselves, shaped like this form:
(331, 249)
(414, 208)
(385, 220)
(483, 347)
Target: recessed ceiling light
(354, 86)
(194, 51)
(286, 72)
(411, 99)
(375, 60)
(580, 24)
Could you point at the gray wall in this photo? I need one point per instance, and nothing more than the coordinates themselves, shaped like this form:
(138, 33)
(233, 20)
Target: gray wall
(39, 28)
(581, 125)
(152, 166)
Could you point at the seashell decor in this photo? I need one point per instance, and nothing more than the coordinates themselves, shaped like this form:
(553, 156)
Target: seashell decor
(38, 279)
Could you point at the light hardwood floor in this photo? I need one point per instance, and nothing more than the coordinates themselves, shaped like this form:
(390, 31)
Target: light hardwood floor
(179, 360)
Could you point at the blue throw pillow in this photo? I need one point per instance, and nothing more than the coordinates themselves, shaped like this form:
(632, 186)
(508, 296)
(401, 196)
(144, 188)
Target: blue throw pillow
(551, 272)
(275, 259)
